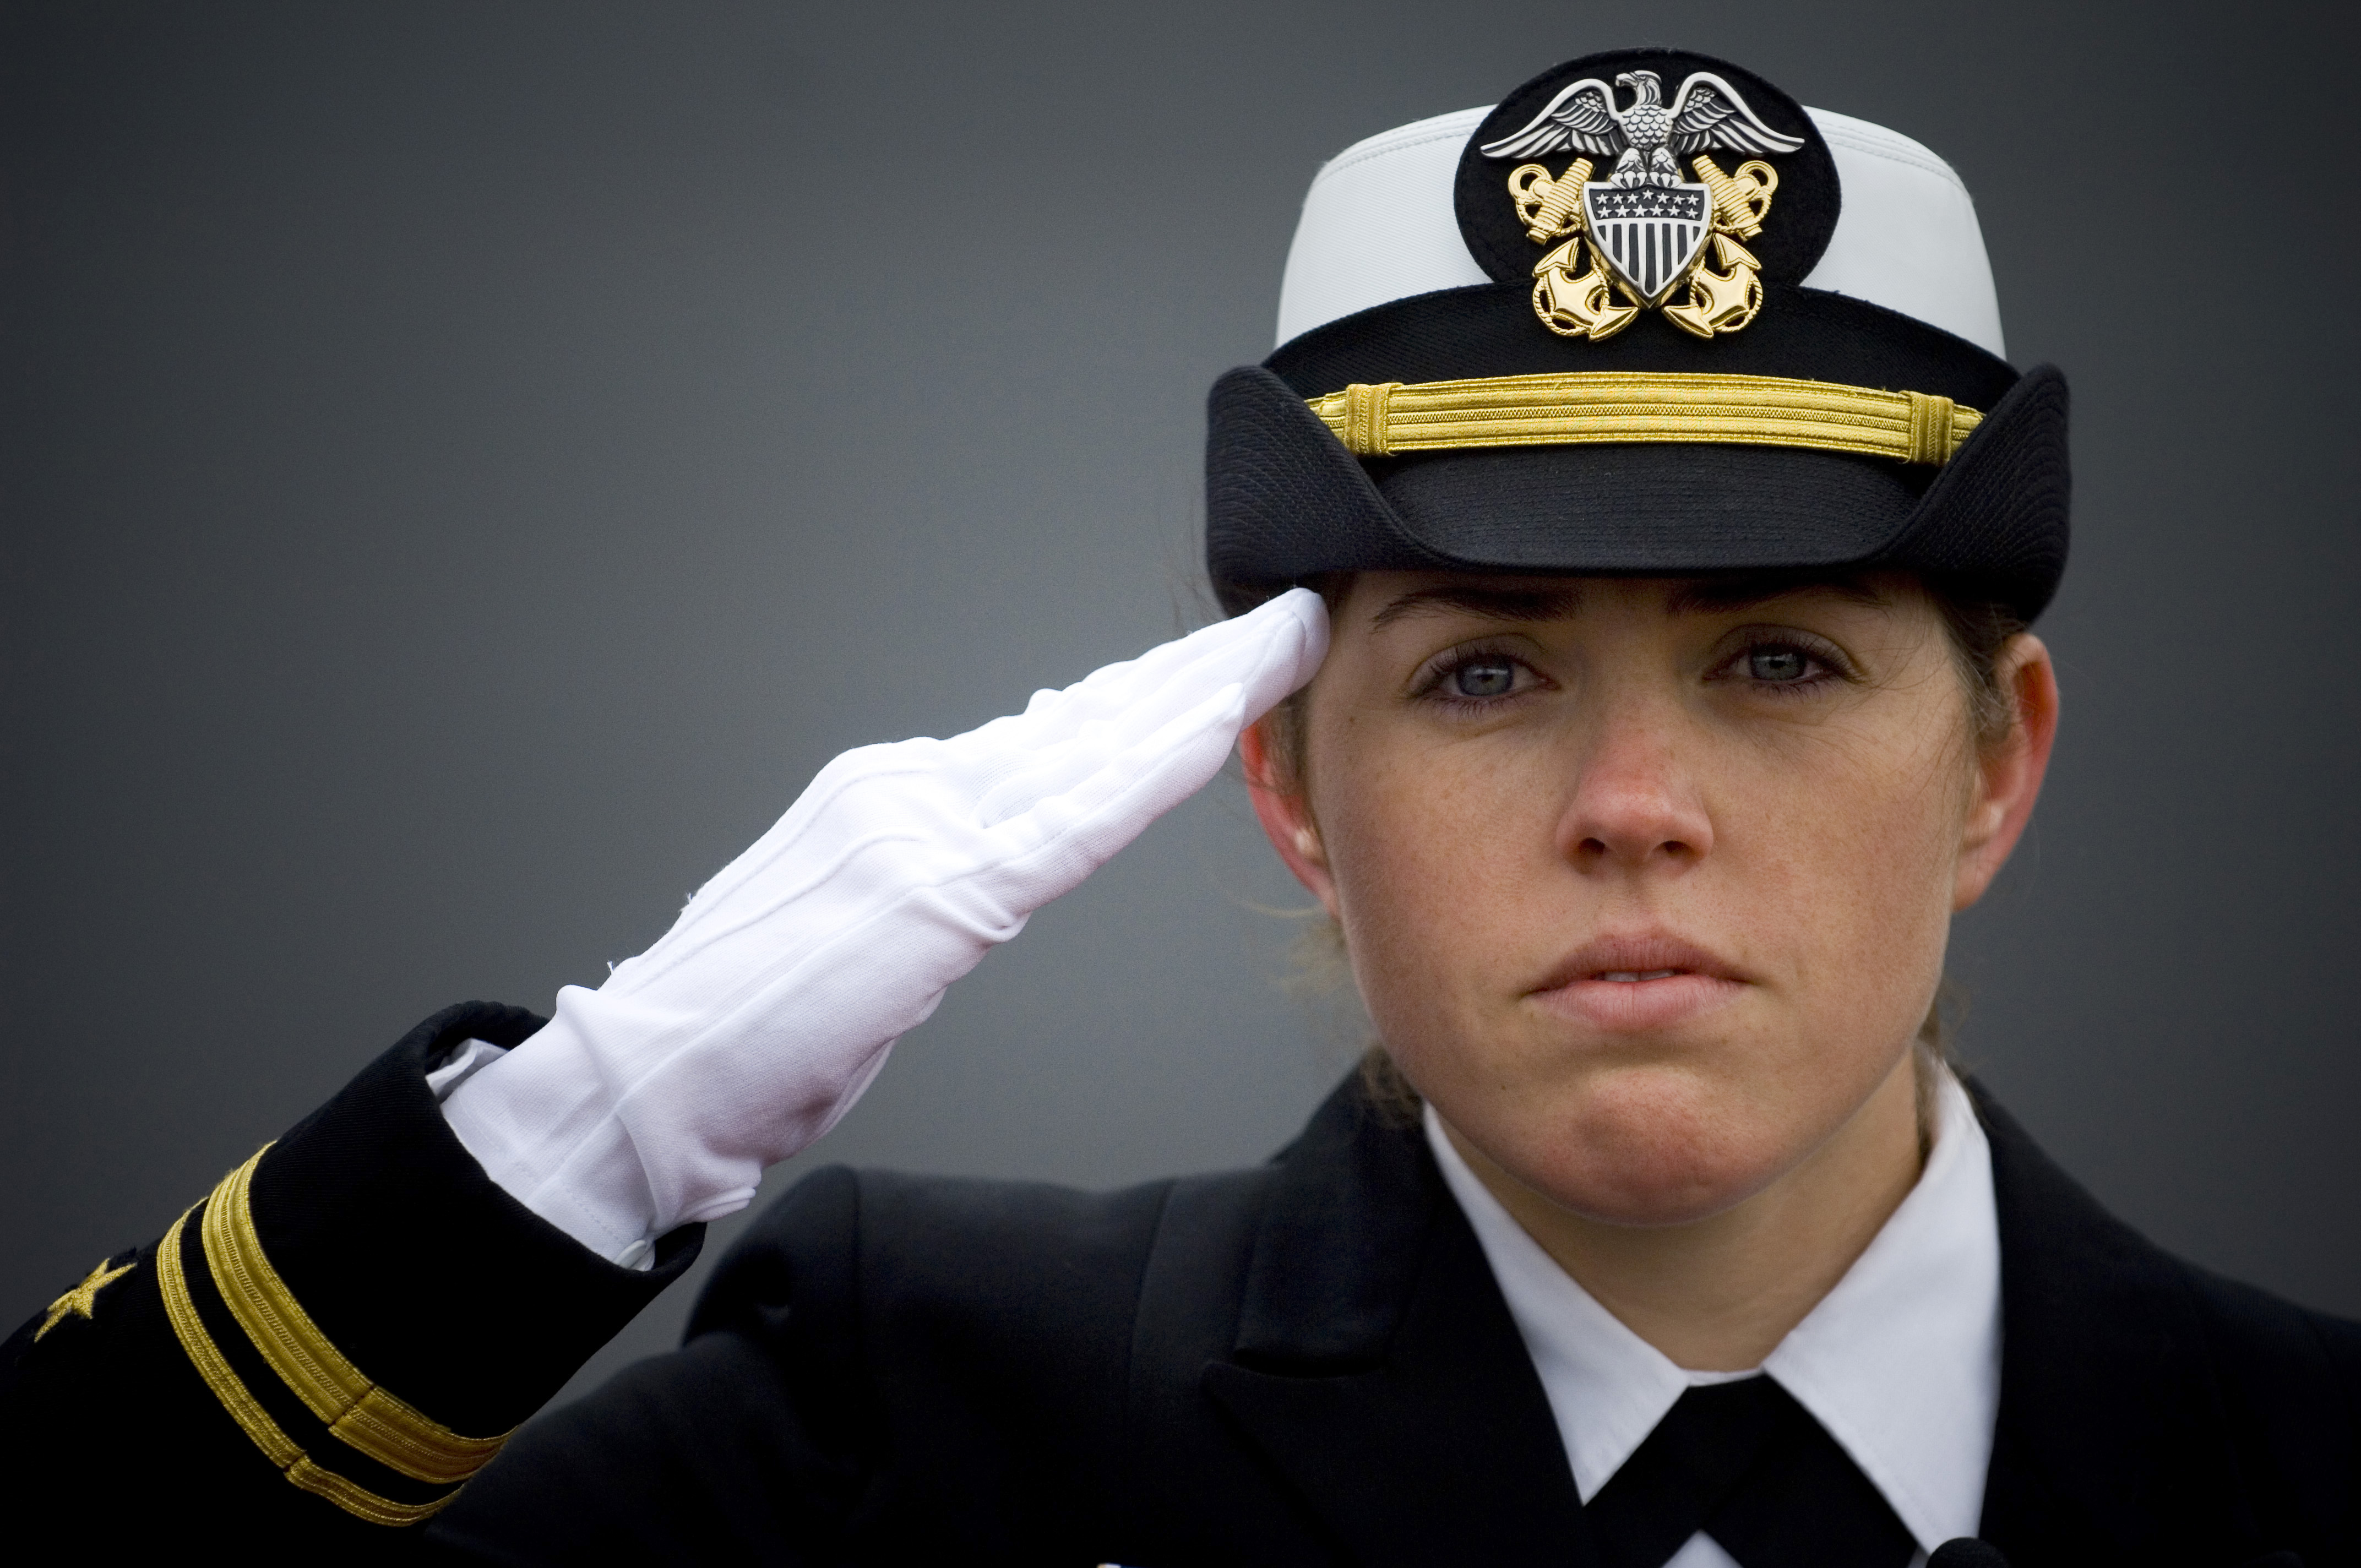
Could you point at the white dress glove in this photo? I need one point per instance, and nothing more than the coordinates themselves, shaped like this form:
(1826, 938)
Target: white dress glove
(758, 1019)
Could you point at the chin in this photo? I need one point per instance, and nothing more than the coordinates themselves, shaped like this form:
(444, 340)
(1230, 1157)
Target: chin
(1643, 1148)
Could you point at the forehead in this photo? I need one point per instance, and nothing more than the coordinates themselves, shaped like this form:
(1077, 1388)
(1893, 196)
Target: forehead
(1383, 600)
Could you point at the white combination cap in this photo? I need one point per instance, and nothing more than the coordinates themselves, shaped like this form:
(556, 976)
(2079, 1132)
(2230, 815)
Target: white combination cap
(1646, 315)
(1379, 224)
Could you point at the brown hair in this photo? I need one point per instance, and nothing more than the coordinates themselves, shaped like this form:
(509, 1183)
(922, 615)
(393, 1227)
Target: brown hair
(1978, 628)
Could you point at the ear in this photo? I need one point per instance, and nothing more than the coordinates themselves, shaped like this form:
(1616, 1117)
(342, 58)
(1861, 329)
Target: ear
(1286, 817)
(2009, 779)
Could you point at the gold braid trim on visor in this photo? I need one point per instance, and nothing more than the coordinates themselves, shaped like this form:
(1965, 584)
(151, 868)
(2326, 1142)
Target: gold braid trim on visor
(355, 1410)
(1377, 421)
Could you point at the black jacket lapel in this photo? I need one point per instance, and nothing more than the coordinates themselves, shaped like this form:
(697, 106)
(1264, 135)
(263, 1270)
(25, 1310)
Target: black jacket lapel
(1377, 1367)
(2110, 1443)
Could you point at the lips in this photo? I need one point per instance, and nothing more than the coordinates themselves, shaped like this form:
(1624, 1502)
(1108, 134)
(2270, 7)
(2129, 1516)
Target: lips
(1639, 983)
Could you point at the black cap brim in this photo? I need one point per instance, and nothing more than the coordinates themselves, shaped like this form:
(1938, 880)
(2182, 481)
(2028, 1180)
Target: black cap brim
(1286, 501)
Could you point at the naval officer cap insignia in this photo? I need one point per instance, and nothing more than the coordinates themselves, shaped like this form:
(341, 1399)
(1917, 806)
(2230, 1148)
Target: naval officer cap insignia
(1646, 315)
(1616, 199)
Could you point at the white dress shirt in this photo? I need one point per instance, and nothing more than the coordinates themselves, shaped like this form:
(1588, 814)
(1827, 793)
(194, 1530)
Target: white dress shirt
(1900, 1362)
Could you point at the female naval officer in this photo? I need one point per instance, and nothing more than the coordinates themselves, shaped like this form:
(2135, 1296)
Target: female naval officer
(1639, 473)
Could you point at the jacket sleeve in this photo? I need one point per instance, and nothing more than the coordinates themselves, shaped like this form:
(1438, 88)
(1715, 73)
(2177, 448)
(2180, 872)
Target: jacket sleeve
(762, 1439)
(320, 1351)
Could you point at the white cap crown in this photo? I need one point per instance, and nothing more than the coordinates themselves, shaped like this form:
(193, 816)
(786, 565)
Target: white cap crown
(1379, 224)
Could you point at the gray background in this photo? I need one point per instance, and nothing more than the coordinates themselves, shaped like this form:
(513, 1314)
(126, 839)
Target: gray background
(465, 466)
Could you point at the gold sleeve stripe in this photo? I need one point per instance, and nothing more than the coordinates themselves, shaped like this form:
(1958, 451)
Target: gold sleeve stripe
(267, 1435)
(356, 1410)
(1387, 417)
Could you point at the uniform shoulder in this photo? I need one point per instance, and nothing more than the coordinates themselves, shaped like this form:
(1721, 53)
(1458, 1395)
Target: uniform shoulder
(2288, 1384)
(2279, 1367)
(2255, 1333)
(890, 1244)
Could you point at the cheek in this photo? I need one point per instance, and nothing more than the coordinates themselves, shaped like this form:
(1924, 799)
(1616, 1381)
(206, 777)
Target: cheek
(1857, 858)
(1831, 879)
(1449, 890)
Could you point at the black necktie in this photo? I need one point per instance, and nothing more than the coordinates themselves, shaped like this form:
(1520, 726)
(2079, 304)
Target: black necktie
(1748, 1465)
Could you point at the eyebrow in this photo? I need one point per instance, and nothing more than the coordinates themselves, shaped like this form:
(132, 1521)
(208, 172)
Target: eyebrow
(1744, 590)
(1492, 602)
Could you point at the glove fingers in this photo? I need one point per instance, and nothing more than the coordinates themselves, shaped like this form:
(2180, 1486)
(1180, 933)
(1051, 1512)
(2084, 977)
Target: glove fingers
(1283, 651)
(927, 795)
(1060, 738)
(1178, 673)
(1050, 848)
(1286, 636)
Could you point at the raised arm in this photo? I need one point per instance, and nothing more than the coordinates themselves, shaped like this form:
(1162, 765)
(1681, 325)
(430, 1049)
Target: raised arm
(325, 1348)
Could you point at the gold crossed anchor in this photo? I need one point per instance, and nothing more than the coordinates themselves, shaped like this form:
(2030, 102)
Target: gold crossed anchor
(1574, 302)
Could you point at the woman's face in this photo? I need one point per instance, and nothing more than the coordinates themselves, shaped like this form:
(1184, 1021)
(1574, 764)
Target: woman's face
(1646, 882)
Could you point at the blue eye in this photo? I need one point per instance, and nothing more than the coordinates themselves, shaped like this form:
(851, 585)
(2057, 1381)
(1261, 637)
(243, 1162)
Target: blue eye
(1778, 664)
(1484, 678)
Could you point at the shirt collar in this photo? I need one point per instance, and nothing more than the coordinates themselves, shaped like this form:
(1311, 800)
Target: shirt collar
(1900, 1362)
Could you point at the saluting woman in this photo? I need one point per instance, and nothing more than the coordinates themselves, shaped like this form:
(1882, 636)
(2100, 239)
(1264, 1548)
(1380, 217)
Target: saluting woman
(1639, 473)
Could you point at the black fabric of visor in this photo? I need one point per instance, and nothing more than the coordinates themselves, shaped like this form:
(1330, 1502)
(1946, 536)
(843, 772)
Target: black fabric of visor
(1644, 508)
(1286, 501)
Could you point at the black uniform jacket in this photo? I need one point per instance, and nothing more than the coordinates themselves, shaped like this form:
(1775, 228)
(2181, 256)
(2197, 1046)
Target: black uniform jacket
(1304, 1363)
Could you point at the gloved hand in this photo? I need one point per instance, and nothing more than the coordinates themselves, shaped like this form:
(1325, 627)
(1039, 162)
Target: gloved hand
(758, 1019)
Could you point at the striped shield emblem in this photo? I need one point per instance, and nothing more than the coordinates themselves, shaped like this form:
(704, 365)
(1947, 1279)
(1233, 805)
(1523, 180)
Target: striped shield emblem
(1650, 234)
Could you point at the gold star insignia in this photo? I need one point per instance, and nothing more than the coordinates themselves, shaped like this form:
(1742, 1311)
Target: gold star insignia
(82, 1299)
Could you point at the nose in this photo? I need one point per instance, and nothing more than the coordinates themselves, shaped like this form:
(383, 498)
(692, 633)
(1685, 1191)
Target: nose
(1635, 807)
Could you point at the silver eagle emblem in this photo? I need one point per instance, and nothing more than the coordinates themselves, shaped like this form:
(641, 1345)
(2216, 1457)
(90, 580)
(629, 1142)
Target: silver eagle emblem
(1705, 114)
